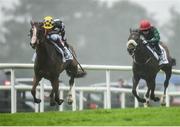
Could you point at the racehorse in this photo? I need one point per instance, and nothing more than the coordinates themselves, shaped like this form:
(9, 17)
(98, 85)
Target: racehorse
(146, 66)
(49, 64)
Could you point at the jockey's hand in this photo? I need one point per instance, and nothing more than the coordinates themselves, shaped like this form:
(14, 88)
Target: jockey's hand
(145, 42)
(142, 37)
(66, 44)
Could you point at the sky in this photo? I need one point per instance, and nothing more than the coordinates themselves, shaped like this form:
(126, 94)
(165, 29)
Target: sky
(159, 9)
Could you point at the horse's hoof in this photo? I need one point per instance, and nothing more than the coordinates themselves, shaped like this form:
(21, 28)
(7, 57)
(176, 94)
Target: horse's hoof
(70, 102)
(37, 101)
(52, 102)
(155, 99)
(60, 101)
(146, 105)
(142, 100)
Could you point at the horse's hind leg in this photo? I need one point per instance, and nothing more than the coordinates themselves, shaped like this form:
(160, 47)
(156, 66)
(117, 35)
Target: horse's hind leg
(72, 71)
(135, 83)
(146, 104)
(69, 98)
(33, 90)
(168, 72)
(55, 85)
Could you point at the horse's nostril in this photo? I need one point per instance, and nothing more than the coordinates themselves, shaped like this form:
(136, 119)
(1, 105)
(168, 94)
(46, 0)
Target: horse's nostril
(33, 45)
(130, 46)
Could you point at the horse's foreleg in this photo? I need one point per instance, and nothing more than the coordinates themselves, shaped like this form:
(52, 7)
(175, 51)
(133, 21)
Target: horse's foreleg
(52, 100)
(33, 90)
(152, 85)
(69, 98)
(55, 84)
(135, 83)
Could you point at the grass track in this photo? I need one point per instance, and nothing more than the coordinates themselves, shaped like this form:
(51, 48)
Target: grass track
(130, 116)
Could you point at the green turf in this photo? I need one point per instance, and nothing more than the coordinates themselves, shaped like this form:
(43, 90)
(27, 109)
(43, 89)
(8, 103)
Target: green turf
(140, 116)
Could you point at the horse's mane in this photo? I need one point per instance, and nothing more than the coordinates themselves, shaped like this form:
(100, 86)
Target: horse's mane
(141, 50)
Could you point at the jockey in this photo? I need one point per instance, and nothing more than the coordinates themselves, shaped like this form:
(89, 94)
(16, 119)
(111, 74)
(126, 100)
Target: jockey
(55, 31)
(150, 35)
(59, 26)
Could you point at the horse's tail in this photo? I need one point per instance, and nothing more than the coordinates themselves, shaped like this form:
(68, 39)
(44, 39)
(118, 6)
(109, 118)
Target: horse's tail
(173, 62)
(78, 74)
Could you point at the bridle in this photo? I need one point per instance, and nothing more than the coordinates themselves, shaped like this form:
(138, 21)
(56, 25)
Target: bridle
(35, 35)
(132, 46)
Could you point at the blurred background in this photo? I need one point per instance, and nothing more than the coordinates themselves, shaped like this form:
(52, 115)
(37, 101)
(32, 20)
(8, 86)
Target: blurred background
(98, 30)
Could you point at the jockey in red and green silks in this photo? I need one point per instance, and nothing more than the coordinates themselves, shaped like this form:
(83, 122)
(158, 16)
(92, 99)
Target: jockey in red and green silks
(150, 35)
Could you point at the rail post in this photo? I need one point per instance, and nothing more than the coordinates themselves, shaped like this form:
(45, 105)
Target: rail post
(108, 91)
(61, 97)
(36, 106)
(74, 98)
(167, 101)
(42, 96)
(136, 103)
(123, 100)
(13, 93)
(81, 100)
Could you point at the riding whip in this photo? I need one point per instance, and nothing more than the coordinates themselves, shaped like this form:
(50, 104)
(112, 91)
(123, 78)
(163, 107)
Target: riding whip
(76, 60)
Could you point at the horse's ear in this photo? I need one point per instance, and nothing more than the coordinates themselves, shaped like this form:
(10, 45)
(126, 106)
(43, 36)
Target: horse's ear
(40, 24)
(130, 30)
(32, 23)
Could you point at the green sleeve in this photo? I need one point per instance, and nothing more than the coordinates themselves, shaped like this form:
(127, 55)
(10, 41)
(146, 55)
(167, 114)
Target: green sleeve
(156, 37)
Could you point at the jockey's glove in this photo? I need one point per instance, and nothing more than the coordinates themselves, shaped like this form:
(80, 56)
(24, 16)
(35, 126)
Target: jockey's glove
(145, 42)
(152, 43)
(66, 44)
(142, 37)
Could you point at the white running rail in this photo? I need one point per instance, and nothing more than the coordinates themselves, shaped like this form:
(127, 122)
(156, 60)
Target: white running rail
(106, 90)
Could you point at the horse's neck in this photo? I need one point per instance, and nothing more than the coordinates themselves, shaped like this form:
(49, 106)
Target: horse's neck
(41, 54)
(47, 53)
(141, 56)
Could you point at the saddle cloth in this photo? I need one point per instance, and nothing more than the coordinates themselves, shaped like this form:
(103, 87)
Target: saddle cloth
(66, 57)
(162, 58)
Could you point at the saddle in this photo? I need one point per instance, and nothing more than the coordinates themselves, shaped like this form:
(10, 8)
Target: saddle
(66, 53)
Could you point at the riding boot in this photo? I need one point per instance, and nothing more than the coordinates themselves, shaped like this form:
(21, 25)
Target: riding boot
(65, 53)
(159, 52)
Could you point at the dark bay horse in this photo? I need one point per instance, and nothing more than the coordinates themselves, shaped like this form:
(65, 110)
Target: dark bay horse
(146, 66)
(49, 64)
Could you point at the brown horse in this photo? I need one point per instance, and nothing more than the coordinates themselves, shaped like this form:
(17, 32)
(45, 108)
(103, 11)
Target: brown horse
(49, 64)
(146, 66)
